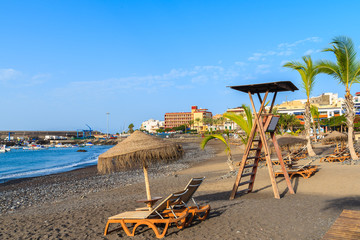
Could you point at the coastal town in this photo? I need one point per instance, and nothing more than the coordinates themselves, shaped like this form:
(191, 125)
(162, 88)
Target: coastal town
(329, 106)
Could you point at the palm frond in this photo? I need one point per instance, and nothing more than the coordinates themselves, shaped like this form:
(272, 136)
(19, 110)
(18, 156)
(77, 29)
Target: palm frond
(307, 72)
(239, 120)
(214, 136)
(330, 68)
(314, 110)
(346, 69)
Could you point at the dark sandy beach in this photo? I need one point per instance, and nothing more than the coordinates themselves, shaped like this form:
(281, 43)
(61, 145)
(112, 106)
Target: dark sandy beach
(77, 204)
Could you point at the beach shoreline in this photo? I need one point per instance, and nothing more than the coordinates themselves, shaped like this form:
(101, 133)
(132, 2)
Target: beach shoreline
(83, 181)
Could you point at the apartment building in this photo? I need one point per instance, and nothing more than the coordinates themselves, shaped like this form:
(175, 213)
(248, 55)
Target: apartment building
(175, 119)
(329, 105)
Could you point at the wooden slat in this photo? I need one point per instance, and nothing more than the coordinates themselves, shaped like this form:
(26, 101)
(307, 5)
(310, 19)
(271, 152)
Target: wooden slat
(249, 166)
(247, 174)
(252, 149)
(252, 157)
(347, 226)
(244, 183)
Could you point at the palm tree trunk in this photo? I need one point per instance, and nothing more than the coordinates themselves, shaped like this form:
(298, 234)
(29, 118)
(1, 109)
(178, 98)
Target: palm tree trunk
(350, 116)
(307, 118)
(230, 162)
(318, 125)
(314, 131)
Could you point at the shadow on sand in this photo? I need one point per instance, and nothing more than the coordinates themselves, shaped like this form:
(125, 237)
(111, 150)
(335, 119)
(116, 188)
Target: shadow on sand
(351, 203)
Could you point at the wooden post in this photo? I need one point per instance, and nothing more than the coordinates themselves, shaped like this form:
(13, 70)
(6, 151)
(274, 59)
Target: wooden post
(147, 184)
(283, 168)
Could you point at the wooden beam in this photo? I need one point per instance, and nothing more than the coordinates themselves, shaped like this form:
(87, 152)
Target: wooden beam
(259, 96)
(273, 101)
(283, 168)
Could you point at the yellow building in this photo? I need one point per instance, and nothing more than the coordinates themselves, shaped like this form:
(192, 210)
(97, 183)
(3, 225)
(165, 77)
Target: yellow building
(199, 114)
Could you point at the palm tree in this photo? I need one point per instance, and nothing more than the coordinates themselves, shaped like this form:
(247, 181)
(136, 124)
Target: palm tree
(245, 122)
(307, 71)
(346, 70)
(315, 114)
(289, 121)
(131, 128)
(198, 120)
(227, 149)
(208, 122)
(191, 123)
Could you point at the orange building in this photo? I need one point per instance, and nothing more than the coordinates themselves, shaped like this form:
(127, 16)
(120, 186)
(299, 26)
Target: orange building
(180, 118)
(177, 119)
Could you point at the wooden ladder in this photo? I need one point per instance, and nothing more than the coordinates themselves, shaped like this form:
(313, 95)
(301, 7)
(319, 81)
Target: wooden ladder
(260, 126)
(251, 162)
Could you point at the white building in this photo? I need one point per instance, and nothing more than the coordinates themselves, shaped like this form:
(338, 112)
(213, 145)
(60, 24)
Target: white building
(227, 124)
(329, 105)
(152, 125)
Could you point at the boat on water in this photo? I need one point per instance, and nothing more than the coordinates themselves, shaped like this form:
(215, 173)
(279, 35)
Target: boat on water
(89, 144)
(60, 145)
(34, 147)
(3, 149)
(16, 147)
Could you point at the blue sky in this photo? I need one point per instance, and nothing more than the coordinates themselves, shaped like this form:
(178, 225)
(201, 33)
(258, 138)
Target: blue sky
(64, 64)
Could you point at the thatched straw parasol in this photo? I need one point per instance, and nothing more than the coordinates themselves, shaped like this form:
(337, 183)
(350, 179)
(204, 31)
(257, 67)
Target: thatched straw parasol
(138, 150)
(335, 136)
(290, 140)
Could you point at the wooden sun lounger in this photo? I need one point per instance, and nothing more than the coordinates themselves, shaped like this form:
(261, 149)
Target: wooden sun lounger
(340, 157)
(163, 215)
(201, 212)
(305, 171)
(346, 227)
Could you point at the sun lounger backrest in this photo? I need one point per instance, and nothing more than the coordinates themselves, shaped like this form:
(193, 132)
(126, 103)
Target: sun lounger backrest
(191, 188)
(172, 199)
(162, 205)
(305, 165)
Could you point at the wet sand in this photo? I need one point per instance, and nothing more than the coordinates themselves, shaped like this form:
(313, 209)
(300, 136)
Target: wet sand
(308, 214)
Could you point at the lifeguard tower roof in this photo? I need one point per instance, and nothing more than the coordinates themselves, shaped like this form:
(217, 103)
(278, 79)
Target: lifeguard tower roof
(282, 86)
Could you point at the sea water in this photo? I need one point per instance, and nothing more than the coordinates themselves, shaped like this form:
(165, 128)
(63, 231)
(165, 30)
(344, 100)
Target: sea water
(19, 163)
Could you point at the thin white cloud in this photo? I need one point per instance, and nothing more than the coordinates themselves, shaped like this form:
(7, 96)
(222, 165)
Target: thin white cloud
(283, 49)
(241, 64)
(175, 78)
(263, 68)
(41, 76)
(296, 43)
(9, 74)
(262, 56)
(308, 52)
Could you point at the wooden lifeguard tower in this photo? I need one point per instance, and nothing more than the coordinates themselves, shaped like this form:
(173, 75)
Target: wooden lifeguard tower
(264, 122)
